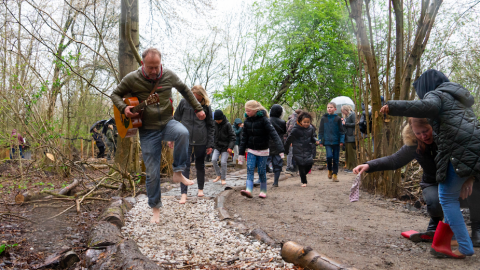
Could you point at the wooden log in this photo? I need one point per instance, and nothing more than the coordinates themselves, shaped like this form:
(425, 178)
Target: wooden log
(62, 259)
(104, 234)
(129, 202)
(262, 236)
(125, 256)
(223, 214)
(114, 214)
(68, 189)
(30, 196)
(307, 258)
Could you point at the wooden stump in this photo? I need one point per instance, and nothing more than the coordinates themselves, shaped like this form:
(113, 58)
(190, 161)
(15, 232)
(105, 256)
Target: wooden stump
(62, 259)
(104, 234)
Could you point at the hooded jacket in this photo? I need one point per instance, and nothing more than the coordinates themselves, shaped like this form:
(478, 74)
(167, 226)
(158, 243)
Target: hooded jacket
(201, 131)
(449, 109)
(280, 127)
(155, 116)
(224, 136)
(238, 130)
(405, 155)
(303, 141)
(257, 132)
(331, 131)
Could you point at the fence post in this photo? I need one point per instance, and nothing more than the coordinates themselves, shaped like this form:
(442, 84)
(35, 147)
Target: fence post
(93, 149)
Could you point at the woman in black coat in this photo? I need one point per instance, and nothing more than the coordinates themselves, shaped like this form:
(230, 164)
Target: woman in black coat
(449, 108)
(424, 149)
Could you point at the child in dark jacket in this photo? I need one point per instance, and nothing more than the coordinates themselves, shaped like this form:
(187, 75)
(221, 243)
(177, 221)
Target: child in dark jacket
(224, 142)
(332, 135)
(257, 132)
(303, 140)
(276, 112)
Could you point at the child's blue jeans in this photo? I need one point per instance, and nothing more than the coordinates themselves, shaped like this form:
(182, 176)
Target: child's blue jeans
(333, 155)
(449, 193)
(261, 163)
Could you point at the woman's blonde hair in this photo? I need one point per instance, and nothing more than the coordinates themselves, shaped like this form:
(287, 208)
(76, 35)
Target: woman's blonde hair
(199, 90)
(409, 137)
(347, 108)
(255, 106)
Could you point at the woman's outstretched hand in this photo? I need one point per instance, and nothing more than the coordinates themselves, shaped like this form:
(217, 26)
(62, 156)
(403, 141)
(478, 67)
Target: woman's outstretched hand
(384, 109)
(361, 168)
(467, 188)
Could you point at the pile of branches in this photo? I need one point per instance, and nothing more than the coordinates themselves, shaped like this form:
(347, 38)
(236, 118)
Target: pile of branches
(412, 176)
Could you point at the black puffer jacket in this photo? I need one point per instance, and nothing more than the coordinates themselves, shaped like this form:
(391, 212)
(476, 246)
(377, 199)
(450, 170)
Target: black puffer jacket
(224, 136)
(350, 128)
(257, 131)
(279, 125)
(458, 131)
(303, 140)
(404, 155)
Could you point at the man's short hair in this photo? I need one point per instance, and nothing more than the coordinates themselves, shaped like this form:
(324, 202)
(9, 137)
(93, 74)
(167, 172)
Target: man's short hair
(333, 104)
(149, 51)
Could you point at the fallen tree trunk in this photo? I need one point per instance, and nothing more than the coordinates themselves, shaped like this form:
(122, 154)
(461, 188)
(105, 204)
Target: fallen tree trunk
(104, 234)
(124, 256)
(114, 213)
(63, 259)
(308, 258)
(262, 236)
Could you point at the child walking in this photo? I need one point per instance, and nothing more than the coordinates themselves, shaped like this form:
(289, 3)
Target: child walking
(331, 135)
(257, 132)
(223, 144)
(303, 140)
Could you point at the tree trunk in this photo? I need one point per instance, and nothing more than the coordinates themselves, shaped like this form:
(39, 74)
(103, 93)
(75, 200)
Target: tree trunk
(126, 159)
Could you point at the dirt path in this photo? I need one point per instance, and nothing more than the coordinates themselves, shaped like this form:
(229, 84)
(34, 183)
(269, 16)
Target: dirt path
(364, 234)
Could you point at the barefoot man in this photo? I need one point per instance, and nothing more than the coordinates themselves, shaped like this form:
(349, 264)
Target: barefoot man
(158, 124)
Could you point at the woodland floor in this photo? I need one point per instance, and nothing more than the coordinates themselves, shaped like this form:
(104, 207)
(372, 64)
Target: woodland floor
(364, 234)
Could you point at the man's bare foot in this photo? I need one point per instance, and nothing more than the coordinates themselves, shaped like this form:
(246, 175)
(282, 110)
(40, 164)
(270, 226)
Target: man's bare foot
(156, 216)
(224, 182)
(178, 177)
(183, 200)
(304, 185)
(216, 179)
(200, 193)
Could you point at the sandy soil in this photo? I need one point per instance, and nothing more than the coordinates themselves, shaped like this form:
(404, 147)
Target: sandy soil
(363, 234)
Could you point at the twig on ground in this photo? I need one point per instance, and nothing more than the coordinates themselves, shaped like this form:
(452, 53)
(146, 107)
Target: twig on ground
(13, 215)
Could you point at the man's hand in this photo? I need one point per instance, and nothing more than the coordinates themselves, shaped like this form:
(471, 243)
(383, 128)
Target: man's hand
(467, 188)
(201, 115)
(282, 155)
(209, 150)
(128, 113)
(321, 145)
(385, 109)
(317, 142)
(361, 168)
(229, 150)
(171, 145)
(341, 144)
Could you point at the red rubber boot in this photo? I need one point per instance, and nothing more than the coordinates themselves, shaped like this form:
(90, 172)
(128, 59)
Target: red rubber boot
(441, 246)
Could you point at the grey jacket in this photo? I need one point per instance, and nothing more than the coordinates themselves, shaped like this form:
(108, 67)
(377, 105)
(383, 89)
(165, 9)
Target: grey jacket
(350, 128)
(449, 108)
(201, 131)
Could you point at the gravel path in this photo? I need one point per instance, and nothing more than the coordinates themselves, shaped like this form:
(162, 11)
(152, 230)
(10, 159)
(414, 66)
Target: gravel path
(192, 234)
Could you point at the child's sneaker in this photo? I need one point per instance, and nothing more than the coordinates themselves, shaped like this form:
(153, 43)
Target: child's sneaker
(246, 193)
(262, 195)
(335, 179)
(330, 173)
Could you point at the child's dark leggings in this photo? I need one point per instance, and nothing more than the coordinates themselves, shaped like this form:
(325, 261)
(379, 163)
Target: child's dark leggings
(303, 170)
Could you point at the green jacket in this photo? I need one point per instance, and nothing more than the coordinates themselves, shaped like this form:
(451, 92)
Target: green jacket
(138, 85)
